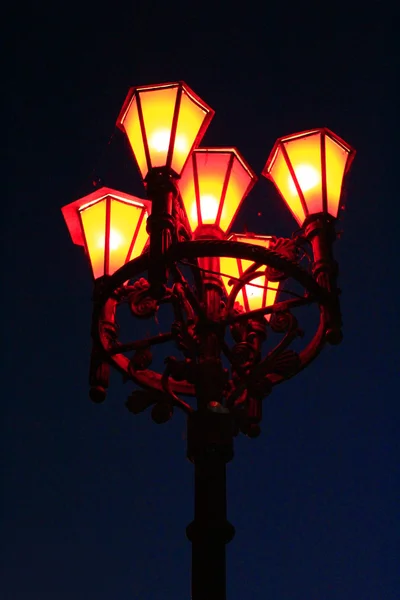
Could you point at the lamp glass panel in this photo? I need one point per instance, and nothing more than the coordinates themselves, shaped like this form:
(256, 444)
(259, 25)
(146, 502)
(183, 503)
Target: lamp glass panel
(280, 174)
(239, 181)
(211, 169)
(188, 193)
(158, 107)
(305, 157)
(123, 222)
(134, 133)
(260, 292)
(256, 297)
(254, 293)
(191, 117)
(252, 296)
(141, 239)
(229, 268)
(94, 225)
(336, 158)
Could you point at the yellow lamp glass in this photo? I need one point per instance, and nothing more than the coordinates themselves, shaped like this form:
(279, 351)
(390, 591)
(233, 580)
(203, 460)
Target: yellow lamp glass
(338, 162)
(111, 225)
(213, 185)
(260, 292)
(163, 124)
(308, 169)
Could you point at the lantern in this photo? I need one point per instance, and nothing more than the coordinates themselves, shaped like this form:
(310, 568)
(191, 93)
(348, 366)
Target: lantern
(111, 225)
(308, 170)
(163, 123)
(260, 292)
(213, 185)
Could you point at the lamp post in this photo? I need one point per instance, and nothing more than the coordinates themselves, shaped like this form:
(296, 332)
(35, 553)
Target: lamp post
(230, 296)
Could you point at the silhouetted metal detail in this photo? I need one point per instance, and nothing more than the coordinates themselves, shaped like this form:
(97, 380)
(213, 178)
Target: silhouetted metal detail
(256, 363)
(207, 323)
(141, 359)
(287, 248)
(141, 303)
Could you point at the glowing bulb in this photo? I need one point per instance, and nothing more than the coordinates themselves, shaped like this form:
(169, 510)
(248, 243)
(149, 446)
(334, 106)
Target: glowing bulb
(160, 139)
(307, 176)
(255, 292)
(208, 208)
(115, 240)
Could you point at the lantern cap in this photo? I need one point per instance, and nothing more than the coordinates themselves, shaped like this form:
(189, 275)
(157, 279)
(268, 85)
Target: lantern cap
(266, 172)
(71, 211)
(160, 86)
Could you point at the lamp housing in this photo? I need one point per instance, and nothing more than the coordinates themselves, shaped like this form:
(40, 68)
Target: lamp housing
(308, 170)
(111, 225)
(213, 185)
(163, 123)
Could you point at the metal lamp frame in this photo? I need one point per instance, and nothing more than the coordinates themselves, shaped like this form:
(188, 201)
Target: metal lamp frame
(229, 360)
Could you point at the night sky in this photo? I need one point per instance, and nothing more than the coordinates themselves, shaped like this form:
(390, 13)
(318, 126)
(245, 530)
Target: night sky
(95, 500)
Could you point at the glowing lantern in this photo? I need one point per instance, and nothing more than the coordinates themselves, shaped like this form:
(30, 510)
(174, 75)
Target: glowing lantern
(260, 292)
(213, 185)
(308, 170)
(111, 225)
(163, 124)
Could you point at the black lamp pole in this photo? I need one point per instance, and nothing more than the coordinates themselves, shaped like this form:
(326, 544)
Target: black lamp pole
(210, 447)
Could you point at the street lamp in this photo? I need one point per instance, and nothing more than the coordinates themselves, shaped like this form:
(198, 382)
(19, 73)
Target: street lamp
(213, 185)
(232, 303)
(261, 291)
(163, 123)
(308, 169)
(110, 225)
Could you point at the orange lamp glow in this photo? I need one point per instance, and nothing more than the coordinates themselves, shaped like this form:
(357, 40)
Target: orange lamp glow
(110, 225)
(260, 292)
(213, 185)
(163, 124)
(308, 170)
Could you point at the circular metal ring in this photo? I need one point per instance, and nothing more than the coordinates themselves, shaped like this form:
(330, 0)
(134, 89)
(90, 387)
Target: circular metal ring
(106, 302)
(215, 248)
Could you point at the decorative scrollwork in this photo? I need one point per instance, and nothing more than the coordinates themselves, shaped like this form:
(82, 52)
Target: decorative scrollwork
(140, 302)
(282, 322)
(243, 355)
(254, 368)
(287, 248)
(286, 364)
(239, 328)
(141, 359)
(184, 336)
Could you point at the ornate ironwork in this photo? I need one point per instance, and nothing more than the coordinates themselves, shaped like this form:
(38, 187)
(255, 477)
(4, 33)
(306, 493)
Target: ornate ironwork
(141, 303)
(286, 247)
(259, 357)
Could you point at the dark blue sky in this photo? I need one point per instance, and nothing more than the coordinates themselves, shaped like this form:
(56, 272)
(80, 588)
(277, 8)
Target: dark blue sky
(95, 501)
